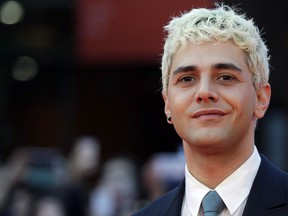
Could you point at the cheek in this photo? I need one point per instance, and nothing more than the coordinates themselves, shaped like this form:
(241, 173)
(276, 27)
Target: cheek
(180, 104)
(242, 103)
(253, 102)
(247, 104)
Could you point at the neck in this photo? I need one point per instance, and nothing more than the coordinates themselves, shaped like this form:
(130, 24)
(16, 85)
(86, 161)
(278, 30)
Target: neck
(212, 167)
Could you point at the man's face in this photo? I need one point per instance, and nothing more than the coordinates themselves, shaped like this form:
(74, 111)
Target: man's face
(211, 97)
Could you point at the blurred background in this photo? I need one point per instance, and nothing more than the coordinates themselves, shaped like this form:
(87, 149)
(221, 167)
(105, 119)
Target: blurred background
(82, 124)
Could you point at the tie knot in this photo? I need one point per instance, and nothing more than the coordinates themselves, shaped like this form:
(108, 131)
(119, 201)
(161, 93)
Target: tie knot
(212, 204)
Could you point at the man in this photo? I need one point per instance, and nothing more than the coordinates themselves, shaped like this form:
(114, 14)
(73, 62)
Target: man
(215, 87)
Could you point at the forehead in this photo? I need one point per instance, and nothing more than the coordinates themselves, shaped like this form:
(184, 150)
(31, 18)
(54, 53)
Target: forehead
(210, 53)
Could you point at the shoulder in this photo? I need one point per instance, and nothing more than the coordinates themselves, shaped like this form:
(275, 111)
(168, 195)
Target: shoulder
(267, 168)
(171, 201)
(271, 181)
(269, 191)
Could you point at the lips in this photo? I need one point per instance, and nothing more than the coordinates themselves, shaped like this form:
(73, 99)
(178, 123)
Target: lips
(208, 113)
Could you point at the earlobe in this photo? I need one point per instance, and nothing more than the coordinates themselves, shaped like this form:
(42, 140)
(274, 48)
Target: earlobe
(263, 100)
(167, 109)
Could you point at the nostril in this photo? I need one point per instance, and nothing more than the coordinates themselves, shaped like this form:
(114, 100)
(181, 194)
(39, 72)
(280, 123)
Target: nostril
(212, 98)
(199, 99)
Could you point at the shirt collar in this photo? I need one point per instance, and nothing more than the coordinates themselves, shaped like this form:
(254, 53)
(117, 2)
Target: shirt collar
(233, 190)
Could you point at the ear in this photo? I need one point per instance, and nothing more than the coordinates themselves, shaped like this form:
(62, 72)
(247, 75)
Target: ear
(166, 106)
(263, 100)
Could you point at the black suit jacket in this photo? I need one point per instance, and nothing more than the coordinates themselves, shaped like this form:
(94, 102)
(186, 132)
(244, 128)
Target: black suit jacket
(268, 195)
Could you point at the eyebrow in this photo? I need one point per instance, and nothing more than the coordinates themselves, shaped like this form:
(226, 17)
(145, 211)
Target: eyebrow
(226, 66)
(185, 69)
(218, 66)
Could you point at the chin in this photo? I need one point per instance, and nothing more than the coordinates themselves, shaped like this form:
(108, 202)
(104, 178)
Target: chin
(207, 145)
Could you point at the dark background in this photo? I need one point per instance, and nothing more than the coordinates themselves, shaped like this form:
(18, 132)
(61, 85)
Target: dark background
(98, 74)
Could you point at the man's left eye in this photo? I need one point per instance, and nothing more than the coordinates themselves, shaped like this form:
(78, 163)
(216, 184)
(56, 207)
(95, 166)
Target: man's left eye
(226, 77)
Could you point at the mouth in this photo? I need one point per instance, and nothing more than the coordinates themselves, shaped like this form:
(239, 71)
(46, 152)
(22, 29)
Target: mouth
(208, 114)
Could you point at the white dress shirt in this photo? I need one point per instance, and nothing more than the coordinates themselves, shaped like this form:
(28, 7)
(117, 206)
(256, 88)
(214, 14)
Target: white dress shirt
(234, 190)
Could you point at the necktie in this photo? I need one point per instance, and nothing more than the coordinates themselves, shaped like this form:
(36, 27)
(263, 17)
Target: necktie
(212, 204)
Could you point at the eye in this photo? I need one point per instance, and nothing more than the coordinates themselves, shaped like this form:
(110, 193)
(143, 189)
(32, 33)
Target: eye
(187, 79)
(225, 77)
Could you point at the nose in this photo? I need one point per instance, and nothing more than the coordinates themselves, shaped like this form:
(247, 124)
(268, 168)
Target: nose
(206, 92)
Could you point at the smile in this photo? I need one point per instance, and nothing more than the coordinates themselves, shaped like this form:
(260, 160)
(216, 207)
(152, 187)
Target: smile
(208, 114)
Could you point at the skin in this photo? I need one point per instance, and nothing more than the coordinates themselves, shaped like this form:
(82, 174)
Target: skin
(214, 108)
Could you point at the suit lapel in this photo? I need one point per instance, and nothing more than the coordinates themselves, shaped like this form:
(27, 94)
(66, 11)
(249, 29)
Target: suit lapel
(176, 200)
(267, 193)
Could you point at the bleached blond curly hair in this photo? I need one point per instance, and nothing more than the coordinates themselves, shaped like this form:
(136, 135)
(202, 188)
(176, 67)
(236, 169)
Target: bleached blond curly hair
(221, 24)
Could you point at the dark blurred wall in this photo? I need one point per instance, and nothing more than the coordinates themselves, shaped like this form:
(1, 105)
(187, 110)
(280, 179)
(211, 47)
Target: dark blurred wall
(36, 67)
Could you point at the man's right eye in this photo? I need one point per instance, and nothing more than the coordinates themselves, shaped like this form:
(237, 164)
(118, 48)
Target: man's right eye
(187, 79)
